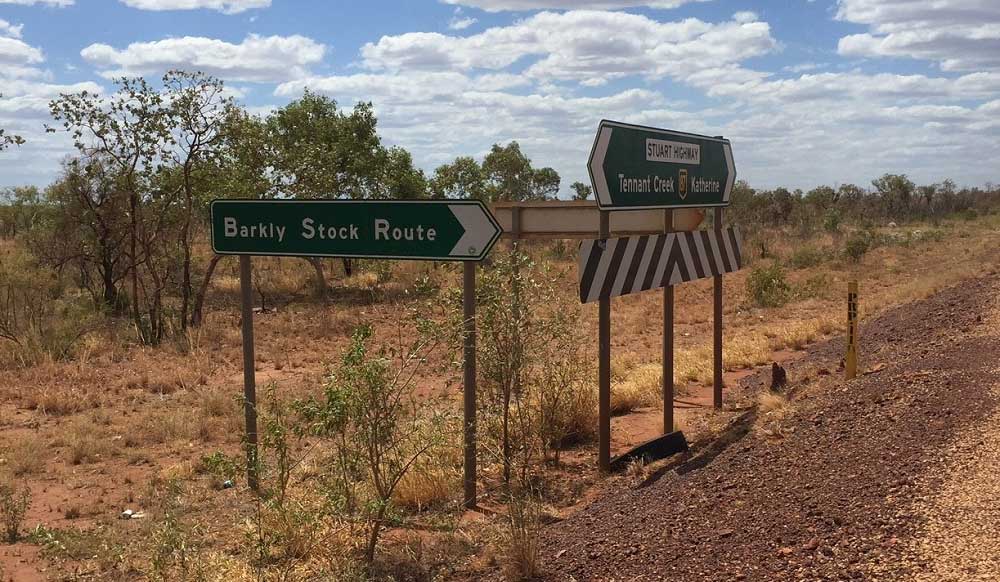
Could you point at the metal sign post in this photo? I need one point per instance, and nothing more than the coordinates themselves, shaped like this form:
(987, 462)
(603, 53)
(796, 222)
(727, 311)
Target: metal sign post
(717, 328)
(604, 369)
(249, 375)
(668, 341)
(469, 387)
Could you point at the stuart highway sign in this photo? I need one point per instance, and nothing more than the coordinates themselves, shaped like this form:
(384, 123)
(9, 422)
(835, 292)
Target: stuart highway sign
(634, 167)
(440, 230)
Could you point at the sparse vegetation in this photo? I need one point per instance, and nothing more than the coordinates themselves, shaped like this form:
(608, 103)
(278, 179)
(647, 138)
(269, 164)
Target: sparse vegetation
(120, 363)
(767, 287)
(14, 502)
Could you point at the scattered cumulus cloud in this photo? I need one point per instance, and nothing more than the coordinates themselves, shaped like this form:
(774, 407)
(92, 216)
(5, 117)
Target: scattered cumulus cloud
(461, 23)
(507, 5)
(585, 45)
(10, 30)
(224, 6)
(40, 2)
(255, 59)
(959, 35)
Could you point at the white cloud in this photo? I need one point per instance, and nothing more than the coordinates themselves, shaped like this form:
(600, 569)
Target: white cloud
(9, 30)
(256, 59)
(501, 5)
(42, 2)
(960, 35)
(15, 52)
(460, 23)
(803, 67)
(583, 45)
(224, 6)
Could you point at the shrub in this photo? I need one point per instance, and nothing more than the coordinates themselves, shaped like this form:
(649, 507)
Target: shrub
(566, 401)
(832, 220)
(814, 286)
(806, 256)
(858, 244)
(38, 317)
(767, 287)
(377, 430)
(13, 507)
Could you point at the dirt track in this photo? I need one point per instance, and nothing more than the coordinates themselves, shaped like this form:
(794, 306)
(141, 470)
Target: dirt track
(847, 486)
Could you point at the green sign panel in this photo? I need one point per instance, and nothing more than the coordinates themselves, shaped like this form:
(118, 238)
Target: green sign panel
(437, 230)
(634, 167)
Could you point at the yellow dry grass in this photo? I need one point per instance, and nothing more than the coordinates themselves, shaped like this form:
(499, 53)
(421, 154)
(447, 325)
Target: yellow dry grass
(426, 487)
(640, 387)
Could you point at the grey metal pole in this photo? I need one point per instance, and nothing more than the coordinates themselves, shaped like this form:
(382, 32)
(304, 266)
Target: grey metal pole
(717, 317)
(249, 376)
(668, 341)
(604, 368)
(469, 314)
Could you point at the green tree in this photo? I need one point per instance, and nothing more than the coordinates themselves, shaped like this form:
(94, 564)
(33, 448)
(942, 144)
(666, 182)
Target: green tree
(318, 151)
(402, 181)
(198, 110)
(463, 178)
(130, 129)
(511, 177)
(822, 197)
(87, 228)
(581, 191)
(896, 192)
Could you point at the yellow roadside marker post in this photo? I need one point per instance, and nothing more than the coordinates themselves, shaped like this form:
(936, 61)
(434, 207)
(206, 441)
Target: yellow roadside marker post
(851, 360)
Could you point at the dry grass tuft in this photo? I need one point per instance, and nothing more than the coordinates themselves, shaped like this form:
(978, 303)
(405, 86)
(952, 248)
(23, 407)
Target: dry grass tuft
(773, 405)
(26, 455)
(59, 401)
(521, 558)
(86, 444)
(640, 388)
(426, 487)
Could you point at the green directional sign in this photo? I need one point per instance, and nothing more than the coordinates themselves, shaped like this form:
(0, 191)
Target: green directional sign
(634, 167)
(438, 230)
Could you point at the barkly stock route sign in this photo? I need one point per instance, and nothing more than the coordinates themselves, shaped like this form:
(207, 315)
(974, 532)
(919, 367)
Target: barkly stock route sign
(634, 167)
(450, 230)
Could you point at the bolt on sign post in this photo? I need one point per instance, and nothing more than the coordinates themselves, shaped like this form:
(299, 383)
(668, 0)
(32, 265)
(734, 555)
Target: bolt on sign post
(717, 327)
(667, 372)
(634, 167)
(433, 230)
(851, 359)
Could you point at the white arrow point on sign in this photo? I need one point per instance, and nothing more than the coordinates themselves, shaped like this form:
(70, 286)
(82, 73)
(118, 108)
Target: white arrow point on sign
(731, 167)
(597, 166)
(479, 230)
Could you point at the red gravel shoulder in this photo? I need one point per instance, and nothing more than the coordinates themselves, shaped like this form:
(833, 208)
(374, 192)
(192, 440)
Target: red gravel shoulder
(827, 495)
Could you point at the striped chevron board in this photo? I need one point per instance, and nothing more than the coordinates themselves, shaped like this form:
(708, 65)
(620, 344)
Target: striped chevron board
(620, 266)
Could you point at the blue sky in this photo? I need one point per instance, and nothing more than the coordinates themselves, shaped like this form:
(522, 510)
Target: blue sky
(809, 92)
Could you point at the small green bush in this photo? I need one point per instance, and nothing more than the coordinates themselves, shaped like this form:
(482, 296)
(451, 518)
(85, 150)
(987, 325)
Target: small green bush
(806, 256)
(832, 220)
(814, 286)
(858, 244)
(767, 286)
(13, 507)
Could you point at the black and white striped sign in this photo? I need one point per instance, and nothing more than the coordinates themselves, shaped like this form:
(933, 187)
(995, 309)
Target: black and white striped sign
(620, 266)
